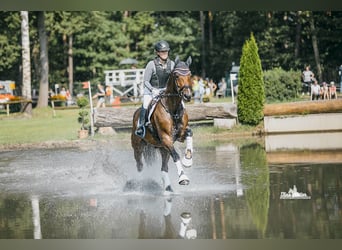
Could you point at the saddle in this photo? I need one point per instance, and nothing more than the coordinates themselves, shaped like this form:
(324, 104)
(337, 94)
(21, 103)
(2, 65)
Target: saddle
(175, 117)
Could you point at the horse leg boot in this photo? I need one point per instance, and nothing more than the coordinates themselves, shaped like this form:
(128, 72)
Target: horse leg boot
(140, 131)
(187, 159)
(183, 179)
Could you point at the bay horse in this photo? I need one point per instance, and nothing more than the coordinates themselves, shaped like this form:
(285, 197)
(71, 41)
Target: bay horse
(168, 123)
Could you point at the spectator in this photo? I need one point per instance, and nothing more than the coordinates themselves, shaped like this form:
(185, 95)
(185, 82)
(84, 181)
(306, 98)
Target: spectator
(325, 91)
(332, 91)
(315, 91)
(308, 79)
(201, 89)
(51, 93)
(68, 97)
(100, 95)
(212, 87)
(195, 89)
(109, 95)
(221, 92)
(63, 92)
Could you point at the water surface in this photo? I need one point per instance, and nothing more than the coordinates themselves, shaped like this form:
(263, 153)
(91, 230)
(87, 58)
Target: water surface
(234, 193)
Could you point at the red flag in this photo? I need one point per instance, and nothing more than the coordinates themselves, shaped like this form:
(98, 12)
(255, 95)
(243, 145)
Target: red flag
(85, 85)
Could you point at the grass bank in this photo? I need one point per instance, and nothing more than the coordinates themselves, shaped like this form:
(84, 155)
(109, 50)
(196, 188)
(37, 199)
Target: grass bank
(42, 126)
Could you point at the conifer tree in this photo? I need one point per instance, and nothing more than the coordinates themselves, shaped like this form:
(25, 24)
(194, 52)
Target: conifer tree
(251, 92)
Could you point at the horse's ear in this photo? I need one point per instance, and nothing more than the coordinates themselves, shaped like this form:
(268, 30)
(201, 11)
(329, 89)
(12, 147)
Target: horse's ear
(177, 60)
(189, 61)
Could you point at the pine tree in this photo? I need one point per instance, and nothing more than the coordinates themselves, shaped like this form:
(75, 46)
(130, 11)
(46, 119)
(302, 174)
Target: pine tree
(251, 92)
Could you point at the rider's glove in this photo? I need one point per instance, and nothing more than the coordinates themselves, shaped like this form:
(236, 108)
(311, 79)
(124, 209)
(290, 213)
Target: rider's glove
(155, 92)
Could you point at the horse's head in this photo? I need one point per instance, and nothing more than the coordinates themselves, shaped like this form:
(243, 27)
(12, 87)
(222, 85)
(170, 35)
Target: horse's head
(181, 74)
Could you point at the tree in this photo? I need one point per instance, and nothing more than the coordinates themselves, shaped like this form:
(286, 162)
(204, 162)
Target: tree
(44, 62)
(10, 50)
(203, 41)
(99, 40)
(251, 93)
(64, 25)
(315, 46)
(25, 41)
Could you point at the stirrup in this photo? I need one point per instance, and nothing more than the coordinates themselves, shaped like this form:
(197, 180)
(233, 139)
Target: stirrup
(140, 131)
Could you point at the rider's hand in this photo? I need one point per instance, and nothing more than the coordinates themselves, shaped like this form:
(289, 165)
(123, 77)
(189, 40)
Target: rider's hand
(155, 92)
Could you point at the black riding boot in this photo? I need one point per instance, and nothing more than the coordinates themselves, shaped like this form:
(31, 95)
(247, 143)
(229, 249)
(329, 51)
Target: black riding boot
(140, 131)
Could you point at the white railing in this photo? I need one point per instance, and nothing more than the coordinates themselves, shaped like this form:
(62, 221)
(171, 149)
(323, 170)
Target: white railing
(125, 81)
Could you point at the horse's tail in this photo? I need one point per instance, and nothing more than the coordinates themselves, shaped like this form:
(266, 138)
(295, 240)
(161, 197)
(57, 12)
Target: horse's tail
(149, 153)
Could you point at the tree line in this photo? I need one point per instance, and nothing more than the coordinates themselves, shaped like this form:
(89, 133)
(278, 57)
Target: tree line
(68, 47)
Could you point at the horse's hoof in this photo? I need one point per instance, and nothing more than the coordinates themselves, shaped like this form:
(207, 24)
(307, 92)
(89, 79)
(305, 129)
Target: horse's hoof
(168, 190)
(140, 167)
(187, 162)
(183, 180)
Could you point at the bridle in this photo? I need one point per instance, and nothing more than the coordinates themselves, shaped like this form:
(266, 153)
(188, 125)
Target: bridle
(179, 90)
(180, 71)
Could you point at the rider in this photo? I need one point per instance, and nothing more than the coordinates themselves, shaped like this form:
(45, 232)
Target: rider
(156, 74)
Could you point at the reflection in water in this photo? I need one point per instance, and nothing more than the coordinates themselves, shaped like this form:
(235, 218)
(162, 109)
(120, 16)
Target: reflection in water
(234, 194)
(304, 141)
(253, 159)
(36, 217)
(185, 230)
(229, 154)
(314, 218)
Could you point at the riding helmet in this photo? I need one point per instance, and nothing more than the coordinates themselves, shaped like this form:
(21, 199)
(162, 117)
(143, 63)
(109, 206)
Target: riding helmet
(162, 46)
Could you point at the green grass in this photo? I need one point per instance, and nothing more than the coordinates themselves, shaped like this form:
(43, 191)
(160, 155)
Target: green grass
(216, 130)
(222, 99)
(43, 126)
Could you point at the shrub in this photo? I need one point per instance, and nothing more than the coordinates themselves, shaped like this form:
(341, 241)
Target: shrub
(83, 114)
(82, 101)
(281, 85)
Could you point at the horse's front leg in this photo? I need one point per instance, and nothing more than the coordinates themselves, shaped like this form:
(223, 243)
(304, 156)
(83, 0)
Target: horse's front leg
(165, 170)
(183, 179)
(187, 159)
(167, 140)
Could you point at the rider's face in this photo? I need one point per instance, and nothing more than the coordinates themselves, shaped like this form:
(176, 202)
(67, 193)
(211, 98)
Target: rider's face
(163, 54)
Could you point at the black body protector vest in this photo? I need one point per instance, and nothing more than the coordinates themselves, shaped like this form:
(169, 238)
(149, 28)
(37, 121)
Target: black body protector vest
(160, 77)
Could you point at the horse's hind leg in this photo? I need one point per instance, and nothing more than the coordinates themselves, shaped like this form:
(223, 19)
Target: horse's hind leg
(165, 170)
(187, 159)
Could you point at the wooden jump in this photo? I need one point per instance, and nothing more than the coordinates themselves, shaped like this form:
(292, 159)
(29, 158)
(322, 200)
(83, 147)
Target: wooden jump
(119, 117)
(303, 108)
(304, 157)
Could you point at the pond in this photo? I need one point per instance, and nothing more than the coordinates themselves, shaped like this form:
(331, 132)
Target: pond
(236, 191)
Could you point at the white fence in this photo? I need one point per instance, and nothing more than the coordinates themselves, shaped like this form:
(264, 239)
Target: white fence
(126, 82)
